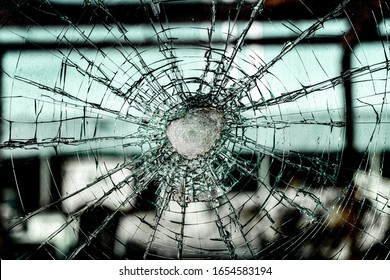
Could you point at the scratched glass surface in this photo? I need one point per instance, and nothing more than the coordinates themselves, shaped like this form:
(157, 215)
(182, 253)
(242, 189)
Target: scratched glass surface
(167, 129)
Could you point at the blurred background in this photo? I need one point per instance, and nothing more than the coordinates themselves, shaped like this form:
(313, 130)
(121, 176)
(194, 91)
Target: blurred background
(301, 169)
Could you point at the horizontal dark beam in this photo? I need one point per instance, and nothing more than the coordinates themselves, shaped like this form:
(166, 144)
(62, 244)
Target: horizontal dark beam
(33, 12)
(104, 44)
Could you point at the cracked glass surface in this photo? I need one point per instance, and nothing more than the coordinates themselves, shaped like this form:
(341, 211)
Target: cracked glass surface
(164, 129)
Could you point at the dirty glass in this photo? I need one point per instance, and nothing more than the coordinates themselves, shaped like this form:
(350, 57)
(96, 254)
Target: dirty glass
(213, 129)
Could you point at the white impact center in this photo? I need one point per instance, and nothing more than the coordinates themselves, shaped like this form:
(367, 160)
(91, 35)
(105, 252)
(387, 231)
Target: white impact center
(196, 133)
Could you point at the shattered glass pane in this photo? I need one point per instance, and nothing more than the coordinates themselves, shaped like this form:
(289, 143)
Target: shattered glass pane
(194, 129)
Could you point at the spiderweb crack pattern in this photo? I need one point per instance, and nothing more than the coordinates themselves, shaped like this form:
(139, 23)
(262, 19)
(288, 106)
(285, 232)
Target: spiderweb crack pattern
(194, 129)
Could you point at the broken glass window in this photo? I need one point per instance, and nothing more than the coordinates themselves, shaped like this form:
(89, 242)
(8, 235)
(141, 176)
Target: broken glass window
(194, 129)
